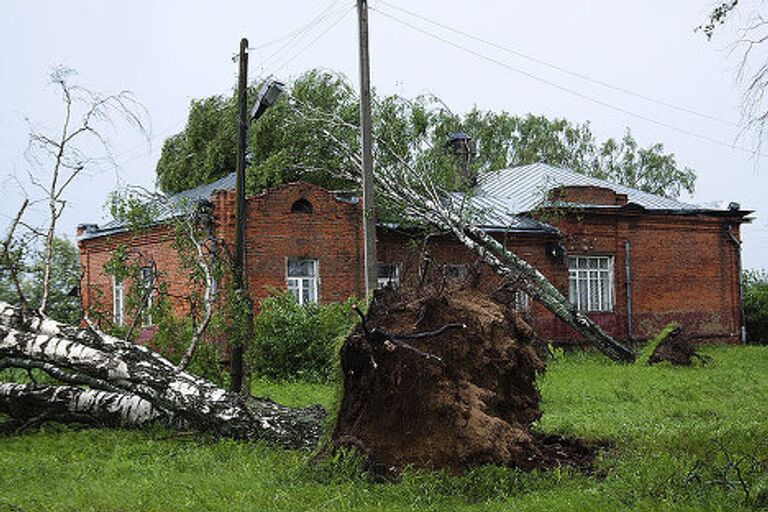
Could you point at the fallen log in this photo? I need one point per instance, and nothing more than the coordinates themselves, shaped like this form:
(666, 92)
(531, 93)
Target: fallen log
(131, 378)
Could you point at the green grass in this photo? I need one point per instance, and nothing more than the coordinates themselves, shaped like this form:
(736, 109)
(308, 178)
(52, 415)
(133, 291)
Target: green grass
(661, 421)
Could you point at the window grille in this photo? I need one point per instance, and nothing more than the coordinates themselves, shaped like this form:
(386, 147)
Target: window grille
(147, 283)
(591, 282)
(117, 302)
(302, 279)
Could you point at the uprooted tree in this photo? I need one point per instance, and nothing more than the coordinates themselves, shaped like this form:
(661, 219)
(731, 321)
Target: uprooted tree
(115, 382)
(111, 381)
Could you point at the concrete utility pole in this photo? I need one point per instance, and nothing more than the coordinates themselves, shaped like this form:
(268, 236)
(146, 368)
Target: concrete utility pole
(369, 208)
(237, 349)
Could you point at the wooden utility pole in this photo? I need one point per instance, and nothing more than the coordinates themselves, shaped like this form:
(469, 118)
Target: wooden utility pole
(369, 208)
(236, 345)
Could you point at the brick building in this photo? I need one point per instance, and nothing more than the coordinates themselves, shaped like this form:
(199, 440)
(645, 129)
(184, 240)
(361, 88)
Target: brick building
(635, 261)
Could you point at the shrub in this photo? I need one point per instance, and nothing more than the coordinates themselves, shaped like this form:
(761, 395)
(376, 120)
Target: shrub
(173, 335)
(756, 305)
(292, 341)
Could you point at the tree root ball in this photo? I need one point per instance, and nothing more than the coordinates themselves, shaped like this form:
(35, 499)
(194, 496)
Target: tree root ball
(447, 382)
(677, 349)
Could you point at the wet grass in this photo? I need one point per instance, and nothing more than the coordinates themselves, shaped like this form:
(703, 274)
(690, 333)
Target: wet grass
(673, 430)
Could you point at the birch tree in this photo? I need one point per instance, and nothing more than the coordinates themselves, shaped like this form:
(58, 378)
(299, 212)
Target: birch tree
(80, 145)
(418, 190)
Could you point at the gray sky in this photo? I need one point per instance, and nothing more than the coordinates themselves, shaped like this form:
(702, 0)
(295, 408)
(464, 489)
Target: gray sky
(169, 52)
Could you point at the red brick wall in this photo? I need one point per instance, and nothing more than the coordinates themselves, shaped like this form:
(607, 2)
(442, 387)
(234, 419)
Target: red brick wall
(683, 267)
(153, 245)
(587, 195)
(332, 234)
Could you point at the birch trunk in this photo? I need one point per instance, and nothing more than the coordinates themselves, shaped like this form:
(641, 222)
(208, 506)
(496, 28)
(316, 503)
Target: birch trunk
(140, 373)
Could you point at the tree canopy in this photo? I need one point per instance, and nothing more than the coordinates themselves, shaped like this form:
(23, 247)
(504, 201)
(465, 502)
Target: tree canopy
(313, 129)
(65, 277)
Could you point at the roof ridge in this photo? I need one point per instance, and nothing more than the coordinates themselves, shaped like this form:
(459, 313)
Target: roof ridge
(523, 187)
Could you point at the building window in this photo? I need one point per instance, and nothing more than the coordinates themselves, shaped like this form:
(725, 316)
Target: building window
(301, 206)
(591, 282)
(117, 302)
(522, 301)
(389, 275)
(147, 284)
(302, 279)
(455, 272)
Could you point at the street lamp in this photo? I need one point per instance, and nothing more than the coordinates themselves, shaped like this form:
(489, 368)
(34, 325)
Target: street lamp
(267, 96)
(464, 148)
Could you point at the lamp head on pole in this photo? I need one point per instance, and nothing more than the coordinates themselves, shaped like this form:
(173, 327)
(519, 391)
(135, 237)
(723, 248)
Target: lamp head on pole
(266, 97)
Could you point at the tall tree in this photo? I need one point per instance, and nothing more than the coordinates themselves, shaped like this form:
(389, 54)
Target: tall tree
(294, 140)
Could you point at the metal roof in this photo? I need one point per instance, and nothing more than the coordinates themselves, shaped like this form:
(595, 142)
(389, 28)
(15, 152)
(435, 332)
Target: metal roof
(500, 201)
(491, 213)
(201, 193)
(524, 188)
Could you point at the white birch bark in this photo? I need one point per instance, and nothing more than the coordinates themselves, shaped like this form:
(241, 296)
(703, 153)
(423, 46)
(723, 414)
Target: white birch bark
(138, 372)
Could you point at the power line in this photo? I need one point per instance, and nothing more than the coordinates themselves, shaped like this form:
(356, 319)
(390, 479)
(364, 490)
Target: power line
(567, 90)
(320, 17)
(567, 71)
(313, 41)
(325, 13)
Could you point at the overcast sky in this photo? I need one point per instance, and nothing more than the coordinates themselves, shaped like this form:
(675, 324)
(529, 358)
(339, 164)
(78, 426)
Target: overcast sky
(170, 52)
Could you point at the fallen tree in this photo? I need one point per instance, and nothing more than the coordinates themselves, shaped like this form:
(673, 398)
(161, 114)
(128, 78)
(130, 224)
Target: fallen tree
(130, 385)
(423, 193)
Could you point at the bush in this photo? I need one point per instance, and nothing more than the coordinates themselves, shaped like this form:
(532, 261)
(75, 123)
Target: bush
(173, 335)
(756, 305)
(295, 342)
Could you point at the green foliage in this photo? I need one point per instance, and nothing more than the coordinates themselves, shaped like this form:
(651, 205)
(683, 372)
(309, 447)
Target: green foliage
(650, 346)
(662, 422)
(312, 133)
(755, 283)
(172, 337)
(205, 150)
(298, 342)
(65, 277)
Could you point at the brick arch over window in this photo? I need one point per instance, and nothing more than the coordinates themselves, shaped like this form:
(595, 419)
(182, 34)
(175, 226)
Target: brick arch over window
(301, 206)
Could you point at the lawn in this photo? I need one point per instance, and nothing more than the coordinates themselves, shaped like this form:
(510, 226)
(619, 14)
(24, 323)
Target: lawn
(673, 432)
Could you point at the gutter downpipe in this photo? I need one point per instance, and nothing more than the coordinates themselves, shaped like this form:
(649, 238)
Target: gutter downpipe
(628, 278)
(737, 243)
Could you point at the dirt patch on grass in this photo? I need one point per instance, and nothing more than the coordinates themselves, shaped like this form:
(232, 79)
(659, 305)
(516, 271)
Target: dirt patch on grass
(462, 396)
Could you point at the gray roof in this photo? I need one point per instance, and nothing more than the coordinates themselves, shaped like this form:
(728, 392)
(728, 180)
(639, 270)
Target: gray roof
(185, 197)
(492, 214)
(500, 201)
(524, 188)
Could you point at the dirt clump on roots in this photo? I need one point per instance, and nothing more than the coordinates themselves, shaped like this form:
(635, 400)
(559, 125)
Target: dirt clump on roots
(445, 381)
(676, 348)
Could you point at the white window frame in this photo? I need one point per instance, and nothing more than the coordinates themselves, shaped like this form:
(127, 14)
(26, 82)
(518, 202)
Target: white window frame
(118, 302)
(392, 279)
(586, 277)
(147, 281)
(522, 301)
(298, 284)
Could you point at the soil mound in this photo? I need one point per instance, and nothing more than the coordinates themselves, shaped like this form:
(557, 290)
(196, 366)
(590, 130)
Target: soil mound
(445, 382)
(677, 349)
